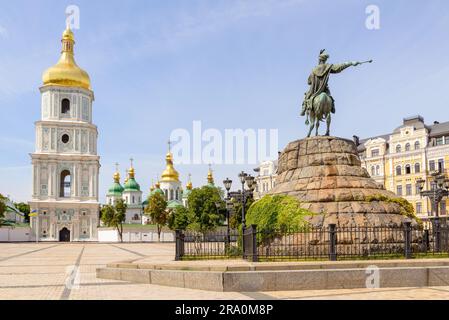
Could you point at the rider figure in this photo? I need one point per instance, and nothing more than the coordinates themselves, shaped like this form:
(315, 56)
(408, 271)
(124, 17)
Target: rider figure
(319, 78)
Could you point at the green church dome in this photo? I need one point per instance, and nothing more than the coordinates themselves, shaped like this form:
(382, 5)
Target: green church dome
(132, 185)
(116, 189)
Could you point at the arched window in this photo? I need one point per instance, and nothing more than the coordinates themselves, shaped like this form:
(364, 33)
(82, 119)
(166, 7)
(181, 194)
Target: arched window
(378, 170)
(65, 184)
(408, 169)
(417, 146)
(134, 199)
(171, 194)
(407, 146)
(398, 148)
(417, 168)
(398, 170)
(166, 194)
(177, 194)
(373, 171)
(65, 106)
(136, 217)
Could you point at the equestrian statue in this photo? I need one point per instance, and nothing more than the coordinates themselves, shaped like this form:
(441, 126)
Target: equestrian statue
(318, 104)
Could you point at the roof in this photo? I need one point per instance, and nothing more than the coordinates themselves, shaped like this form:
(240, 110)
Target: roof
(435, 130)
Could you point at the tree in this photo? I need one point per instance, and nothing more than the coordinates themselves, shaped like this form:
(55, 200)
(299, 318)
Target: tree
(114, 216)
(157, 211)
(203, 211)
(178, 219)
(236, 218)
(3, 207)
(277, 213)
(24, 208)
(2, 210)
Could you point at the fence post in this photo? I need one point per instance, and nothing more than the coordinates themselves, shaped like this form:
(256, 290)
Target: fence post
(243, 241)
(332, 242)
(426, 239)
(254, 254)
(437, 233)
(179, 252)
(407, 240)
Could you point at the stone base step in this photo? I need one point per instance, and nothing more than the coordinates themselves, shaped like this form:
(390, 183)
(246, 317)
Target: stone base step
(282, 280)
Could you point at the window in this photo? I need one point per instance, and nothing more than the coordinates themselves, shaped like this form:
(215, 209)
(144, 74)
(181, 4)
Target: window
(446, 140)
(417, 167)
(398, 170)
(378, 170)
(408, 189)
(418, 207)
(171, 194)
(443, 208)
(373, 171)
(134, 200)
(407, 146)
(398, 148)
(399, 190)
(136, 217)
(441, 165)
(65, 106)
(65, 138)
(408, 169)
(440, 141)
(65, 184)
(432, 165)
(417, 146)
(374, 152)
(417, 190)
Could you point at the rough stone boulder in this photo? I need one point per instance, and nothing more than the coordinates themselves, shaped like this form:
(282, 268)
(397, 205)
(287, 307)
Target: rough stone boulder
(325, 174)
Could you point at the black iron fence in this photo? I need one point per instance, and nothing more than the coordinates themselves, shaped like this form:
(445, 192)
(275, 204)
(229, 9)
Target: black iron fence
(308, 243)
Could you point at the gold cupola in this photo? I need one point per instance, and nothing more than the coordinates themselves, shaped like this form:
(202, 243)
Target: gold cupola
(170, 173)
(66, 72)
(210, 176)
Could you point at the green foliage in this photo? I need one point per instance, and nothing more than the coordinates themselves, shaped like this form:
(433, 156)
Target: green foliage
(203, 213)
(2, 206)
(157, 211)
(236, 218)
(24, 208)
(278, 212)
(406, 207)
(3, 222)
(114, 216)
(178, 219)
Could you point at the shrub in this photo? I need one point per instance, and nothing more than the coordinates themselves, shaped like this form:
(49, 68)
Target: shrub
(279, 213)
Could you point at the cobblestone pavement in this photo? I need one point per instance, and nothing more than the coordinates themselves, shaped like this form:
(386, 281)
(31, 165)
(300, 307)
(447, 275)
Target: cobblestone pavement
(46, 271)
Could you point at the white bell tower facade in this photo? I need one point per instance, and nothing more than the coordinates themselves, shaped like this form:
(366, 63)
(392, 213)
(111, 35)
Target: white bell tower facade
(65, 163)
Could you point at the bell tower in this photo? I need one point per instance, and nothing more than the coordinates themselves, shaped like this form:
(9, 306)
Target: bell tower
(65, 162)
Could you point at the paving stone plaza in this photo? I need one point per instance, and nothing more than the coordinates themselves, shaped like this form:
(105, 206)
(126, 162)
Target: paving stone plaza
(43, 271)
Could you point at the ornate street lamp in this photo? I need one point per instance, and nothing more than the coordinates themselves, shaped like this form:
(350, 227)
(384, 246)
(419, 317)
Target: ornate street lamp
(243, 175)
(439, 188)
(227, 183)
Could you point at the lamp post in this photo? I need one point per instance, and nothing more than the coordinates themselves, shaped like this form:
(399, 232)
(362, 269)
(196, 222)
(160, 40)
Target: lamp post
(439, 188)
(227, 183)
(243, 176)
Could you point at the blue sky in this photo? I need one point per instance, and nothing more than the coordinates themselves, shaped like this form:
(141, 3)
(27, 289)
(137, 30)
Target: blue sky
(159, 65)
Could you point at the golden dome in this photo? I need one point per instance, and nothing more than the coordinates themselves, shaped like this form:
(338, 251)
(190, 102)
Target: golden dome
(66, 72)
(117, 177)
(170, 173)
(210, 176)
(131, 173)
